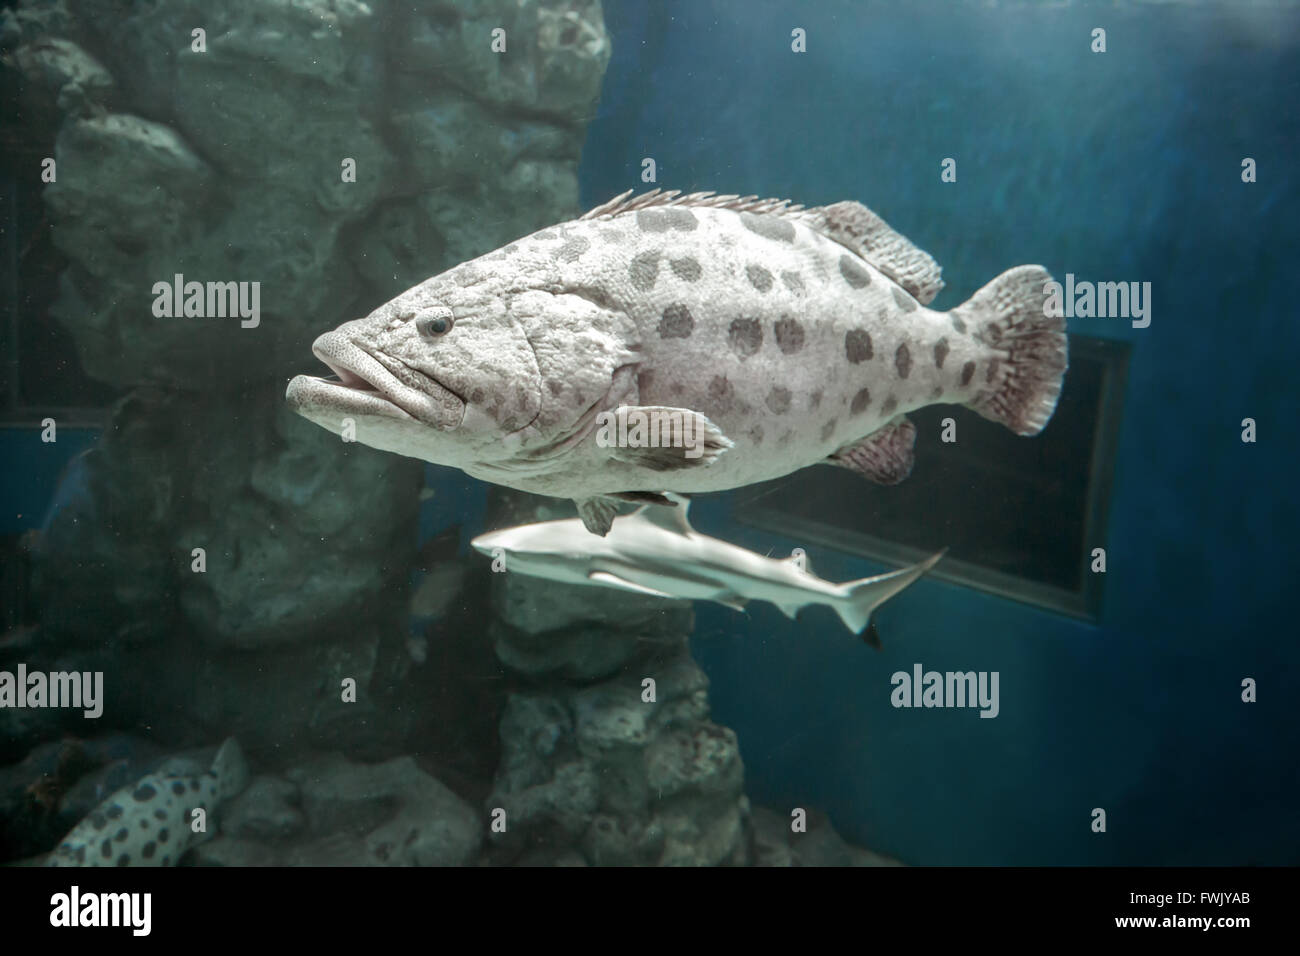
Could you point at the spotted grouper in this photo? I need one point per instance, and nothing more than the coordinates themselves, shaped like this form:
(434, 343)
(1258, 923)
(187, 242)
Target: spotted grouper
(150, 823)
(785, 336)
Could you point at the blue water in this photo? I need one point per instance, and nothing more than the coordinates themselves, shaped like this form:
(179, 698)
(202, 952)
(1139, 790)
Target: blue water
(1123, 165)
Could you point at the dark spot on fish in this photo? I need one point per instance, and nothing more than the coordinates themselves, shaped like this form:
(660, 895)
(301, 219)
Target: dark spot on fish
(686, 269)
(145, 792)
(113, 812)
(144, 824)
(681, 219)
(676, 388)
(124, 860)
(756, 434)
(936, 393)
(905, 301)
(652, 220)
(793, 281)
(573, 249)
(476, 396)
(545, 234)
(722, 394)
(853, 273)
(891, 403)
(789, 335)
(857, 345)
(644, 379)
(677, 323)
(178, 788)
(510, 423)
(147, 851)
(162, 835)
(81, 854)
(940, 352)
(860, 401)
(643, 270)
(785, 438)
(768, 226)
(160, 813)
(745, 336)
(120, 835)
(903, 361)
(554, 386)
(778, 400)
(97, 820)
(759, 278)
(958, 324)
(815, 399)
(829, 429)
(107, 849)
(992, 372)
(992, 332)
(967, 371)
(166, 860)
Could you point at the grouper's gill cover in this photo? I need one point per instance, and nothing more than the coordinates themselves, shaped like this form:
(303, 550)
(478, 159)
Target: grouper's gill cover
(791, 336)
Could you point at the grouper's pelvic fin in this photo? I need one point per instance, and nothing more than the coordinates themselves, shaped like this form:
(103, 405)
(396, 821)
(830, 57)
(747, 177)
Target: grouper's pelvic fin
(1008, 315)
(861, 598)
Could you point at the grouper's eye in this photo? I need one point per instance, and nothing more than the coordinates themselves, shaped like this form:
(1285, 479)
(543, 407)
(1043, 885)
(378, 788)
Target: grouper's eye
(434, 322)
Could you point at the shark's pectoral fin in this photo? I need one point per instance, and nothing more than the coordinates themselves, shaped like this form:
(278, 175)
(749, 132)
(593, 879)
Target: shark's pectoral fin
(597, 514)
(885, 456)
(614, 581)
(662, 438)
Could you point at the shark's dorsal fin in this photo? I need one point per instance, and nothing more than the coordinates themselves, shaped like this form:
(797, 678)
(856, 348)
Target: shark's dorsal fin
(675, 519)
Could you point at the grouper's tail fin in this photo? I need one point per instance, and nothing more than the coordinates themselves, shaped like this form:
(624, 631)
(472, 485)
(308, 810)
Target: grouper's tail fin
(1018, 387)
(862, 597)
(230, 768)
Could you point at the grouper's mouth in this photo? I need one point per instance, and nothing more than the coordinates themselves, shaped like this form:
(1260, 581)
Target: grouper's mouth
(373, 383)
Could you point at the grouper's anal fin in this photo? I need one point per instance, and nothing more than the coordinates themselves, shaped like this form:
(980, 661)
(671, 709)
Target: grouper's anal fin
(885, 456)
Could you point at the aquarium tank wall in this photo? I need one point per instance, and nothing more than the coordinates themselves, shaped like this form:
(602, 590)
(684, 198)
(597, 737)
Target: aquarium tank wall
(329, 511)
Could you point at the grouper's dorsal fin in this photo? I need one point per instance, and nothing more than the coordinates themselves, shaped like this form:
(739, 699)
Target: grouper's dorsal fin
(857, 228)
(669, 518)
(658, 198)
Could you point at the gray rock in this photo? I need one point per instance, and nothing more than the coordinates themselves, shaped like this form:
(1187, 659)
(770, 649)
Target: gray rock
(237, 173)
(301, 532)
(389, 814)
(555, 51)
(622, 781)
(773, 843)
(266, 811)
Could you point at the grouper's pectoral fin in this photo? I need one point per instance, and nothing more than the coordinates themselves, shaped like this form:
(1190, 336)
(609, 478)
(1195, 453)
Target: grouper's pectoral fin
(885, 456)
(614, 581)
(662, 438)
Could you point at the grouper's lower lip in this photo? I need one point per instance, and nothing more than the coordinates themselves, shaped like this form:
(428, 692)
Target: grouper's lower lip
(366, 385)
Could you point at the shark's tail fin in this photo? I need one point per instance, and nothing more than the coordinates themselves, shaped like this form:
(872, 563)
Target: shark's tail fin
(864, 596)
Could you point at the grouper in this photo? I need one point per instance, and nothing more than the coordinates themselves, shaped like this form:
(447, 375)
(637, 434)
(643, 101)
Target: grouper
(771, 336)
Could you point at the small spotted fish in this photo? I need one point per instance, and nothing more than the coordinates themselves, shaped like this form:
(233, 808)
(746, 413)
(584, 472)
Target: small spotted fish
(788, 336)
(149, 822)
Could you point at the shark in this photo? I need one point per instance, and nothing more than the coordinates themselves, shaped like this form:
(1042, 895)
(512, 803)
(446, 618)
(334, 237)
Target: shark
(655, 551)
(684, 343)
